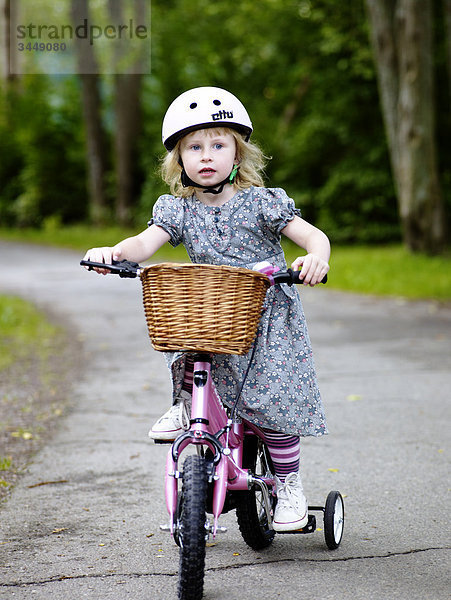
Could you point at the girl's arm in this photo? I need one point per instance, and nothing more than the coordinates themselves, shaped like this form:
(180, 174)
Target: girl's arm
(137, 248)
(315, 264)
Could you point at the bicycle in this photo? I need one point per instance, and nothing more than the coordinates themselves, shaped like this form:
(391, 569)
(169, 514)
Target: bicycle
(232, 468)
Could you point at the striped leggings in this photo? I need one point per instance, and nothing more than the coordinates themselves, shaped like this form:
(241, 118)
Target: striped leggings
(283, 449)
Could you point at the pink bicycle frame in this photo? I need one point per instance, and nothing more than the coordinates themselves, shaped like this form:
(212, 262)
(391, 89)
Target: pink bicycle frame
(211, 427)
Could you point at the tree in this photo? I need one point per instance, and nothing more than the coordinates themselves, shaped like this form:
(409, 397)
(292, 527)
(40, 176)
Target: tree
(127, 108)
(95, 137)
(402, 40)
(5, 52)
(447, 11)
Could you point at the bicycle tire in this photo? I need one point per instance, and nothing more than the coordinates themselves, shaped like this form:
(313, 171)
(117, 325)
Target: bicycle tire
(251, 515)
(334, 516)
(192, 534)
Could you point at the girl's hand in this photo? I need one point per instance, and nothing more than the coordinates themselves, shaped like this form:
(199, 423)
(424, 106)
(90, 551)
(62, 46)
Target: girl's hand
(103, 255)
(313, 269)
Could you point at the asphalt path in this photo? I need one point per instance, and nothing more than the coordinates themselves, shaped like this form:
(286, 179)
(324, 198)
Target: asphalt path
(384, 371)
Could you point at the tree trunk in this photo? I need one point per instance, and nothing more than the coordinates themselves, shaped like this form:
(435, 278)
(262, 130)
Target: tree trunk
(401, 32)
(95, 138)
(7, 56)
(447, 12)
(95, 147)
(128, 122)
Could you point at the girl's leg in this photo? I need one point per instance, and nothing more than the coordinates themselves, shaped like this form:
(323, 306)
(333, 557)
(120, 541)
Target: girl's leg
(176, 419)
(291, 511)
(285, 451)
(187, 384)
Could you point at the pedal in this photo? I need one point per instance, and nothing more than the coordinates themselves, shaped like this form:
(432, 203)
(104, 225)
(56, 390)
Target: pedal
(311, 525)
(309, 528)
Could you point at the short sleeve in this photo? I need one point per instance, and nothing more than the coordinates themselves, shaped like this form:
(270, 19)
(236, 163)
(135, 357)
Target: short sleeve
(277, 208)
(168, 214)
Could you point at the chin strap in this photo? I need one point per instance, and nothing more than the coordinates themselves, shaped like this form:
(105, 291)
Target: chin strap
(209, 189)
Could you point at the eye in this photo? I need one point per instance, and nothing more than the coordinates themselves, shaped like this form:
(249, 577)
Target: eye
(218, 146)
(216, 102)
(195, 147)
(193, 105)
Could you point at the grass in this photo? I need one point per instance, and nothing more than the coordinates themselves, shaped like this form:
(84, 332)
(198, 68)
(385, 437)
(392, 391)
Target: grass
(381, 270)
(388, 271)
(75, 237)
(24, 331)
(34, 378)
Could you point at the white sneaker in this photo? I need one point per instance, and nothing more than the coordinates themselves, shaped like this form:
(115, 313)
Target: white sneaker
(172, 423)
(291, 509)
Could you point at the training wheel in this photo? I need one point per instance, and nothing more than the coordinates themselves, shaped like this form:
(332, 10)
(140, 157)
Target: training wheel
(334, 516)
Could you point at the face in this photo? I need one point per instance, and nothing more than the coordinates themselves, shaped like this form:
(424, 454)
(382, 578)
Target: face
(208, 157)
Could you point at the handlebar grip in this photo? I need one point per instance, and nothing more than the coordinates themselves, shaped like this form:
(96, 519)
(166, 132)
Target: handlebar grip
(296, 279)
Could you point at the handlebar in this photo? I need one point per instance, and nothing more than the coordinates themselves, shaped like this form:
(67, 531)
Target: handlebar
(123, 268)
(126, 268)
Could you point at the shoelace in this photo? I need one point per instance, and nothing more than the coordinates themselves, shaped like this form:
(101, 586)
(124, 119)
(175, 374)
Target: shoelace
(171, 414)
(184, 415)
(178, 412)
(291, 491)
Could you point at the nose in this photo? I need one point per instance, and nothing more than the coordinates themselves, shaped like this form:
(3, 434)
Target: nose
(205, 157)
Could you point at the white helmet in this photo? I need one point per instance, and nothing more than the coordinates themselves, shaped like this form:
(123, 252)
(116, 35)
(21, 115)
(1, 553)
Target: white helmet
(200, 108)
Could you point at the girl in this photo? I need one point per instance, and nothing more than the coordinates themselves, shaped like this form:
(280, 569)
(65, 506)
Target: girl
(222, 214)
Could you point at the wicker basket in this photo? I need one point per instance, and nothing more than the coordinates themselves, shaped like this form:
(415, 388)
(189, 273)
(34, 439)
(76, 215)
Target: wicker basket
(202, 308)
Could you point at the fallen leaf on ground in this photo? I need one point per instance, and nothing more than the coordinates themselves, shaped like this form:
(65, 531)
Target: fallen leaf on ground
(25, 435)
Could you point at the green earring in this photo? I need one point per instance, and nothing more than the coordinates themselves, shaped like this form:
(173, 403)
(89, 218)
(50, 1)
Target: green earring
(233, 173)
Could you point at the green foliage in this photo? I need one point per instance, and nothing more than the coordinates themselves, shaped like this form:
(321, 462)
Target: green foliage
(42, 171)
(305, 72)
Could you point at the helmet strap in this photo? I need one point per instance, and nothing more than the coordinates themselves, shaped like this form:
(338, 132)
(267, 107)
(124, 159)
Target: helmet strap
(209, 189)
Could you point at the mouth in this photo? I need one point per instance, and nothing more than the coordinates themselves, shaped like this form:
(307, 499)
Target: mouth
(207, 171)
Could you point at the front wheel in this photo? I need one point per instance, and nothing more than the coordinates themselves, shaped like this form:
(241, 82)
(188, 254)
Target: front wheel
(334, 517)
(192, 532)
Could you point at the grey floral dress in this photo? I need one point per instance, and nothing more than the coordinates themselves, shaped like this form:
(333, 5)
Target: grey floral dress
(281, 391)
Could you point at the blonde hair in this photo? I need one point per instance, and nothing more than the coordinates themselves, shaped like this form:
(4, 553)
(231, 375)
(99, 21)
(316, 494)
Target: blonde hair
(251, 159)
